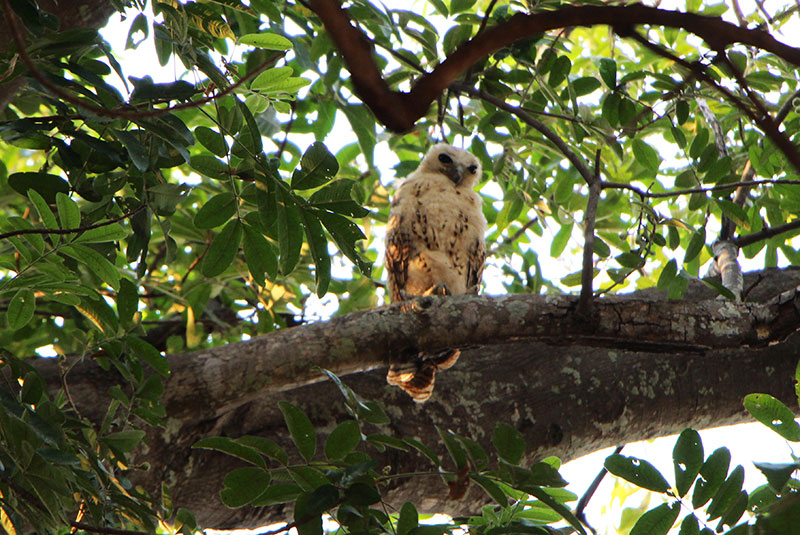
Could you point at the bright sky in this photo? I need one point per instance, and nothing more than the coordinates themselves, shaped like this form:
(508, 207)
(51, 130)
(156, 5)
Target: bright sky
(750, 442)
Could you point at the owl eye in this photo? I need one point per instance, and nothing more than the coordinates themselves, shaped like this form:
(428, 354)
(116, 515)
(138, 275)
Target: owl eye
(472, 169)
(444, 158)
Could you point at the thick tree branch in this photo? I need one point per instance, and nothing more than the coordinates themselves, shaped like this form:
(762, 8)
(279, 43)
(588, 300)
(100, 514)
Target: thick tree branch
(568, 387)
(399, 111)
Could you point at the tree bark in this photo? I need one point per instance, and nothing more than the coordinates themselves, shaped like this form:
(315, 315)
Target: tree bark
(643, 367)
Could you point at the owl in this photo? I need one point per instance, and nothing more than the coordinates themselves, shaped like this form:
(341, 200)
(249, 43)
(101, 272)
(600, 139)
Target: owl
(435, 245)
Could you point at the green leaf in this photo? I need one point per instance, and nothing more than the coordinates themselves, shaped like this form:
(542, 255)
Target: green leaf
(266, 447)
(610, 109)
(778, 474)
(111, 232)
(137, 153)
(278, 493)
(727, 495)
(681, 111)
(259, 255)
(209, 166)
(687, 458)
(457, 453)
(44, 211)
(309, 507)
(69, 214)
(690, 526)
(44, 184)
(96, 263)
(149, 354)
(146, 90)
(545, 475)
(408, 519)
(300, 429)
(509, 443)
(637, 471)
(124, 441)
(774, 414)
(20, 309)
(560, 240)
(223, 249)
(645, 155)
(713, 475)
(695, 245)
(336, 197)
(290, 233)
(345, 234)
(216, 211)
(668, 274)
(318, 245)
(492, 489)
(361, 494)
(250, 138)
(231, 447)
(244, 485)
(211, 140)
(657, 521)
(556, 506)
(270, 77)
(608, 72)
(342, 440)
(317, 166)
(266, 40)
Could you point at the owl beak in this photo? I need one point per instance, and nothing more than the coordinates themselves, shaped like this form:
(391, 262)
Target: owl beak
(456, 174)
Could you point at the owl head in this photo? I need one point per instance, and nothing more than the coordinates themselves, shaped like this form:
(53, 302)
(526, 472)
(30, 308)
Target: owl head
(461, 167)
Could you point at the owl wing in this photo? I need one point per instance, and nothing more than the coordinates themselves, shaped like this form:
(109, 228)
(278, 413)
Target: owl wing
(398, 254)
(476, 258)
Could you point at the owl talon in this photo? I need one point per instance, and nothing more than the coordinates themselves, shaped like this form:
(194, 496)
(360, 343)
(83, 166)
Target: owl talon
(439, 289)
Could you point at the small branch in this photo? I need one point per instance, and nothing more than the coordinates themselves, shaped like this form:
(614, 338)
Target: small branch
(486, 15)
(72, 230)
(117, 113)
(767, 233)
(677, 193)
(580, 510)
(107, 531)
(587, 272)
(574, 159)
(514, 237)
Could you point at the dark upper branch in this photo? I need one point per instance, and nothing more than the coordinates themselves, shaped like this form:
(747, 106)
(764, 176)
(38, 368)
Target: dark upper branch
(399, 111)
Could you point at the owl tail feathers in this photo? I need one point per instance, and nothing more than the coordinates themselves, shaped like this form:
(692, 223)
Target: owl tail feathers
(417, 378)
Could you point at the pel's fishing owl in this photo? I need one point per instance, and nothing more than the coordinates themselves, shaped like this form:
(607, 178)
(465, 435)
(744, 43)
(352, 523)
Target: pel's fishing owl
(435, 245)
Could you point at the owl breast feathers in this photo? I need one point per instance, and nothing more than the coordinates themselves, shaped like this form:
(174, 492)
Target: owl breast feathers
(435, 244)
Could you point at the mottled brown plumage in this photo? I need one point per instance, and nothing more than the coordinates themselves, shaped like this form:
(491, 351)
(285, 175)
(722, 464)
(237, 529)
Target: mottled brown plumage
(435, 245)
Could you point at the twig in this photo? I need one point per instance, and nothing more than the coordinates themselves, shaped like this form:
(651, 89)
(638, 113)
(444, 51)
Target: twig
(587, 271)
(486, 15)
(580, 510)
(121, 113)
(677, 193)
(767, 233)
(107, 531)
(574, 159)
(514, 237)
(72, 230)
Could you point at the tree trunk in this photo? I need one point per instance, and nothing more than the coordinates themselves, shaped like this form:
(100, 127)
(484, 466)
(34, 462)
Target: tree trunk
(641, 367)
